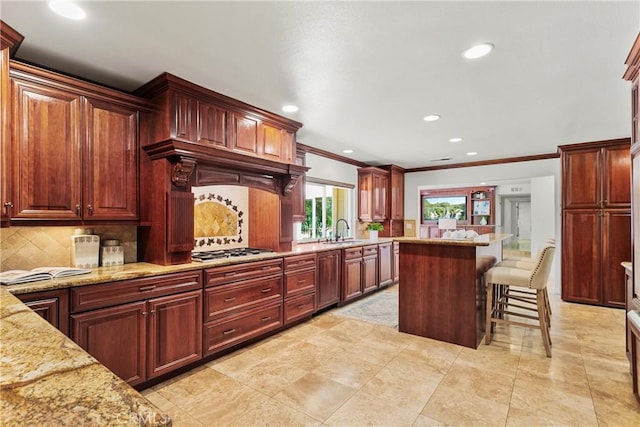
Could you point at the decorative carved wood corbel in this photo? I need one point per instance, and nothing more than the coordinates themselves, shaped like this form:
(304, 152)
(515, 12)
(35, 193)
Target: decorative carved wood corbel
(182, 169)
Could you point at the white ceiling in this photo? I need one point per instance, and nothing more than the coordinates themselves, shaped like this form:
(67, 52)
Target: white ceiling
(365, 73)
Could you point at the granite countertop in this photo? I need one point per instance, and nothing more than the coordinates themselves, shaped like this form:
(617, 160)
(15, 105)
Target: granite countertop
(144, 269)
(46, 379)
(627, 266)
(482, 240)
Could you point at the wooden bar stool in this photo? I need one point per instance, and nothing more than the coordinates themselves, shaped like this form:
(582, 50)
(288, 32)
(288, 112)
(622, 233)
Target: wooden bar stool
(508, 306)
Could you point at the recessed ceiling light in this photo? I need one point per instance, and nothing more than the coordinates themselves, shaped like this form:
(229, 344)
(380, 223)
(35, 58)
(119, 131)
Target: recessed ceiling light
(67, 8)
(431, 118)
(472, 153)
(455, 140)
(347, 151)
(483, 183)
(290, 108)
(478, 51)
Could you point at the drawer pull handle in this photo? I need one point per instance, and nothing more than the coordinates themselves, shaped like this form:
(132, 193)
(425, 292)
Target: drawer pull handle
(229, 299)
(231, 273)
(230, 331)
(266, 267)
(300, 282)
(144, 313)
(147, 288)
(301, 306)
(265, 290)
(264, 319)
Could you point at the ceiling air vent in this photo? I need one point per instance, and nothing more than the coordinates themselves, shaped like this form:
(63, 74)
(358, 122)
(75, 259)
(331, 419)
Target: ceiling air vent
(444, 159)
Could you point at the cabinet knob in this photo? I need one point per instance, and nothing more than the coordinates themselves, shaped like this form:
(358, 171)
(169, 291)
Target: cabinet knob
(8, 205)
(78, 210)
(90, 209)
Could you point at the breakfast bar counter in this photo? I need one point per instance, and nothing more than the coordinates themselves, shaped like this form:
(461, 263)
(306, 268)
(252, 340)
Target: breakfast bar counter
(441, 289)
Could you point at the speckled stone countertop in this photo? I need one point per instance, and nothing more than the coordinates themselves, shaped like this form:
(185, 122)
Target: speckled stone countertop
(627, 266)
(46, 379)
(482, 240)
(145, 269)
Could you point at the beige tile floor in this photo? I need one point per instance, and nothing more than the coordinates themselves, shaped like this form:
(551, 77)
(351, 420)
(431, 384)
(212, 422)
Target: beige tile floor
(337, 371)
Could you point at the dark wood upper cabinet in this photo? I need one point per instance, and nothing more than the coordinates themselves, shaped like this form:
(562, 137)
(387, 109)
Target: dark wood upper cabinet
(212, 125)
(46, 150)
(596, 176)
(372, 194)
(111, 161)
(244, 134)
(74, 149)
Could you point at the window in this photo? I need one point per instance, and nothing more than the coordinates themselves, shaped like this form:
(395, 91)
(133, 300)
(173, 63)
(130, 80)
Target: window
(324, 205)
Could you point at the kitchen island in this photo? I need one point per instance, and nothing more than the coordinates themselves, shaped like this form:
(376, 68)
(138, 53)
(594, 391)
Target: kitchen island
(442, 293)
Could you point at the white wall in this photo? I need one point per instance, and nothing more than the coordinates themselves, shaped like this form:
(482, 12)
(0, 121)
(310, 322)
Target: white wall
(541, 174)
(324, 168)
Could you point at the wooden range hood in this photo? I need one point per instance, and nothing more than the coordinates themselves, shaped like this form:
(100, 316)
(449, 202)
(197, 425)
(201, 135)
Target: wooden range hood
(221, 167)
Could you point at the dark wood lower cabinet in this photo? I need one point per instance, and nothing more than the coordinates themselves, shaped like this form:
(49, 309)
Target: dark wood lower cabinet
(351, 274)
(117, 337)
(369, 268)
(396, 262)
(142, 328)
(328, 289)
(52, 306)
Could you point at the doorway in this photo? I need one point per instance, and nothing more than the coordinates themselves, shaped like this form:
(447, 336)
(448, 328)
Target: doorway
(516, 217)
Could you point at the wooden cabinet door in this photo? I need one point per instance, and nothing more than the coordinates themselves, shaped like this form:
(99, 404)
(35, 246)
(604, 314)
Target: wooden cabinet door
(45, 152)
(52, 306)
(110, 161)
(581, 256)
(581, 179)
(616, 248)
(352, 279)
(289, 154)
(212, 125)
(271, 143)
(328, 287)
(380, 185)
(175, 332)
(369, 274)
(117, 337)
(385, 267)
(185, 119)
(617, 181)
(180, 218)
(396, 185)
(365, 191)
(244, 134)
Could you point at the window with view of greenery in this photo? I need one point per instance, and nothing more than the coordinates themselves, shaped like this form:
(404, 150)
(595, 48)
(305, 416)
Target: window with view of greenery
(324, 205)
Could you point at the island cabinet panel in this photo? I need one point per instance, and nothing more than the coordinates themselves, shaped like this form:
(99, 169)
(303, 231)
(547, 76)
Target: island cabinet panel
(46, 149)
(437, 295)
(328, 289)
(52, 306)
(396, 262)
(241, 302)
(140, 328)
(385, 264)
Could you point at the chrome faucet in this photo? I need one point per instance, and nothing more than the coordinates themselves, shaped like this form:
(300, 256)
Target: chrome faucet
(338, 222)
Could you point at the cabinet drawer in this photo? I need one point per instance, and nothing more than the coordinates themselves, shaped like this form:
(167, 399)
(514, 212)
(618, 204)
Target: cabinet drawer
(114, 293)
(299, 282)
(351, 253)
(233, 273)
(299, 307)
(299, 261)
(368, 251)
(228, 332)
(220, 300)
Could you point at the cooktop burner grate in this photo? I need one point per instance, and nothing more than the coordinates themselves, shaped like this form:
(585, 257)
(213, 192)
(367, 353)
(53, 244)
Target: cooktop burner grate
(203, 256)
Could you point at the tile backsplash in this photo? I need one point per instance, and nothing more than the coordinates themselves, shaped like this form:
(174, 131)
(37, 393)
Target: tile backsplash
(220, 217)
(24, 248)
